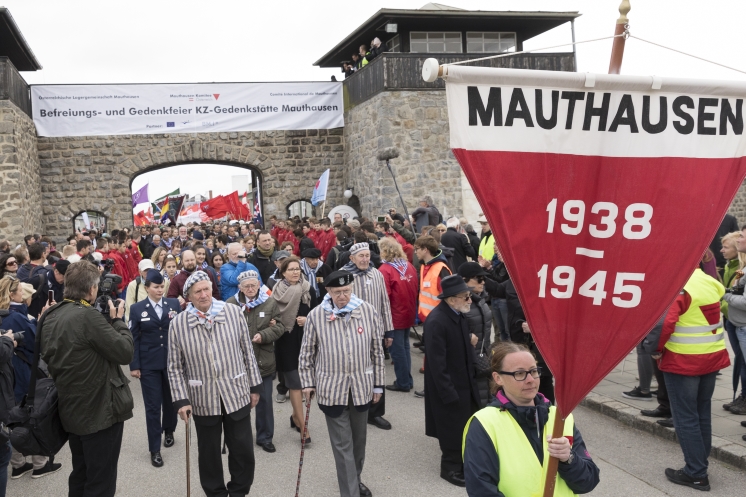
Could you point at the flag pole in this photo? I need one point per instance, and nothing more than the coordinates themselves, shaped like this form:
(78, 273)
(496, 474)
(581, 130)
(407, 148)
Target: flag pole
(323, 208)
(617, 49)
(557, 431)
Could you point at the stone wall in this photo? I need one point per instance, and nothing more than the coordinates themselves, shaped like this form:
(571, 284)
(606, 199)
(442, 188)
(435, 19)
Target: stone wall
(95, 173)
(416, 122)
(738, 206)
(20, 192)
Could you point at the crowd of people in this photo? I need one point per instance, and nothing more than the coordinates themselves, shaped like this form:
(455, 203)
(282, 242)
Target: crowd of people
(311, 309)
(364, 56)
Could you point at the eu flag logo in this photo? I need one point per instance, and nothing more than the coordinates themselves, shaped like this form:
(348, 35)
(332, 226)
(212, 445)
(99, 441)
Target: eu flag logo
(170, 125)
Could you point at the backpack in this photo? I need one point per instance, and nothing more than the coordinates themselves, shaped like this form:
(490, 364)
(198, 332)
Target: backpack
(36, 427)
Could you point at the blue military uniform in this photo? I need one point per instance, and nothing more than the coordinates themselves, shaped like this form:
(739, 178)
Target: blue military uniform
(150, 333)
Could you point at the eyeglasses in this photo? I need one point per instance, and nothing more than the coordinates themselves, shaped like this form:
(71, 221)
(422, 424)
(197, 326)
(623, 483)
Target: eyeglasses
(522, 375)
(11, 263)
(293, 269)
(341, 293)
(466, 298)
(480, 279)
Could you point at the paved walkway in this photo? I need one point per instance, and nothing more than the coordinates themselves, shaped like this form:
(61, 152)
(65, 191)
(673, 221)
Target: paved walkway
(727, 431)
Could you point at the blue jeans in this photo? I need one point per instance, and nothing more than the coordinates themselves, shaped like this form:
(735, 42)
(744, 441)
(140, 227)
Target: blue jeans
(265, 419)
(399, 351)
(5, 454)
(500, 313)
(738, 347)
(691, 408)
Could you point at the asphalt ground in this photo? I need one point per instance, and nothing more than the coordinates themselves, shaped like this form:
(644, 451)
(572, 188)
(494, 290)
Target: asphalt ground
(400, 462)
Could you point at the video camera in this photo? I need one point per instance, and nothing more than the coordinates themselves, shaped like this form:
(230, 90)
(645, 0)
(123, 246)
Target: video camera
(17, 336)
(107, 287)
(736, 290)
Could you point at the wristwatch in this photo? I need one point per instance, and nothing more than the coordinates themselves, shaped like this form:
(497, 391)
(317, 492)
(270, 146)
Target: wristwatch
(569, 459)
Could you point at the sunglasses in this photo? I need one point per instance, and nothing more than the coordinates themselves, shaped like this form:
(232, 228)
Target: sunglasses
(11, 263)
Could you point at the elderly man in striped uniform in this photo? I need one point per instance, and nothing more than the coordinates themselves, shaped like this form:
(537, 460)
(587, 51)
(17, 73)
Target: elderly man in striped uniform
(212, 371)
(341, 358)
(370, 286)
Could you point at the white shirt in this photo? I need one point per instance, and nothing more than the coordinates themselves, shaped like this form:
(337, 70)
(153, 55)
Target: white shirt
(158, 306)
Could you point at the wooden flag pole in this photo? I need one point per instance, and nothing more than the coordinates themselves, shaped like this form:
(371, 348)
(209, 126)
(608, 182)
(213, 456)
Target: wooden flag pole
(617, 49)
(323, 208)
(557, 431)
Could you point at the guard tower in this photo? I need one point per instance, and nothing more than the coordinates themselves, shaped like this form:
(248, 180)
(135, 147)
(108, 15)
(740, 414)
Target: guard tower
(387, 103)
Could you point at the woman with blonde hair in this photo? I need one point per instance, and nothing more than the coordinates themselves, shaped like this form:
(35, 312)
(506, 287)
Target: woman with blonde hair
(734, 264)
(15, 297)
(159, 255)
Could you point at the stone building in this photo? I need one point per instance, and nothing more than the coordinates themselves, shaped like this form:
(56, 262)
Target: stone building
(46, 182)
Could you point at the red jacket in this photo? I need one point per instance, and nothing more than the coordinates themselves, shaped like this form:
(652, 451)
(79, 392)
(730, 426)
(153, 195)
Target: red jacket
(690, 364)
(403, 291)
(120, 268)
(133, 257)
(405, 245)
(325, 241)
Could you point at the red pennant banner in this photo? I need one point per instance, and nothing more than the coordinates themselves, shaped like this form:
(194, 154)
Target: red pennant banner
(603, 196)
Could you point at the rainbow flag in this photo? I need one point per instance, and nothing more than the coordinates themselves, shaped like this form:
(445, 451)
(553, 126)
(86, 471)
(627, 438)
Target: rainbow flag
(164, 211)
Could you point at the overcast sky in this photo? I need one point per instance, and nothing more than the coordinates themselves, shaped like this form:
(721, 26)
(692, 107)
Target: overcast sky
(186, 41)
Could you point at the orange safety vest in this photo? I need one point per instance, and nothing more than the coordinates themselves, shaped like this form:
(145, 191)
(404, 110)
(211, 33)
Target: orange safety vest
(429, 288)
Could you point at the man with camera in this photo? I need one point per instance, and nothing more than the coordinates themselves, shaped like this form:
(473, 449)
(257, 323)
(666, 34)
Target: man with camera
(229, 271)
(84, 354)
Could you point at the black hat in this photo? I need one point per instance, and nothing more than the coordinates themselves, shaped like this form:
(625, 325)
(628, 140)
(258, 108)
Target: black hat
(339, 278)
(311, 253)
(452, 285)
(61, 266)
(154, 276)
(469, 270)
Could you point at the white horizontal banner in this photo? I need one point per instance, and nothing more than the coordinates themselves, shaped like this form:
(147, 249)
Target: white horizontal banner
(594, 115)
(91, 110)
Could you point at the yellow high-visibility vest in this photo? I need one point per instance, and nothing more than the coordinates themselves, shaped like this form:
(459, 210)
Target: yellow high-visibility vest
(521, 475)
(487, 247)
(693, 333)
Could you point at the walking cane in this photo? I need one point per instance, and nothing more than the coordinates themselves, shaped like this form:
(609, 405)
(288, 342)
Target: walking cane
(188, 479)
(303, 444)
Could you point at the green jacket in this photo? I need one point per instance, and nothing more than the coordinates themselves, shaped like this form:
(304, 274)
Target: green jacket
(84, 354)
(258, 320)
(729, 272)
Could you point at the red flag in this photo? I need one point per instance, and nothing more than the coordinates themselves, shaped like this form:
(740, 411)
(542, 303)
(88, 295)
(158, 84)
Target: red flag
(237, 209)
(603, 199)
(215, 207)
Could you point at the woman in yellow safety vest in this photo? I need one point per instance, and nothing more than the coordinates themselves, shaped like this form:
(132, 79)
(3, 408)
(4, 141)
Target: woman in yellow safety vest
(507, 444)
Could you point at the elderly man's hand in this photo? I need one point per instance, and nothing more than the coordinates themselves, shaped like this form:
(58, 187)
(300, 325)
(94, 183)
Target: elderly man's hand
(254, 400)
(185, 412)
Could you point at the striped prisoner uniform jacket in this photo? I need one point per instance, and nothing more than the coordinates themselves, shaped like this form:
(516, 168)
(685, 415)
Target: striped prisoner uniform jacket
(342, 355)
(371, 288)
(206, 366)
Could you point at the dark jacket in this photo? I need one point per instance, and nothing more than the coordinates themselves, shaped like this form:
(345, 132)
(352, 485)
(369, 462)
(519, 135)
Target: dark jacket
(7, 399)
(729, 224)
(344, 255)
(84, 354)
(482, 465)
(376, 51)
(150, 333)
(474, 240)
(258, 320)
(460, 245)
(425, 216)
(265, 266)
(17, 320)
(404, 232)
(480, 324)
(176, 286)
(451, 394)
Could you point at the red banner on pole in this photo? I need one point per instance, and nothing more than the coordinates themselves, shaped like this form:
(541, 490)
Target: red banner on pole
(602, 198)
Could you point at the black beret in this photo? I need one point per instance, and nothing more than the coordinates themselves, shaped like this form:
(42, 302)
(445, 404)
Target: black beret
(154, 276)
(339, 278)
(469, 270)
(61, 266)
(311, 253)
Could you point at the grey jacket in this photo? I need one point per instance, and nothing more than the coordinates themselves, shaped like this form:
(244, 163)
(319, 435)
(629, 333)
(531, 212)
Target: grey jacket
(737, 306)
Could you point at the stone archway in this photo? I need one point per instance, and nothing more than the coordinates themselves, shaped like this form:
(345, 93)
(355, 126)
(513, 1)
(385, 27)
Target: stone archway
(95, 173)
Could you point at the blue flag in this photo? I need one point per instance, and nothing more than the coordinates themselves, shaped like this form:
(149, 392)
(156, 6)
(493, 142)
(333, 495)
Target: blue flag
(319, 191)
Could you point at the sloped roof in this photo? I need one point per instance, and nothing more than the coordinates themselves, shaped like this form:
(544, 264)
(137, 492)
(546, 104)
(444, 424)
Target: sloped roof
(13, 45)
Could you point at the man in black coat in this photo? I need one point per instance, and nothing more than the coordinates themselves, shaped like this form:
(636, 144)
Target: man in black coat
(451, 392)
(458, 242)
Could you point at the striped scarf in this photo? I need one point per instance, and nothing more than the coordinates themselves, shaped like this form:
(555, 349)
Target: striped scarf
(311, 275)
(260, 298)
(329, 306)
(209, 316)
(399, 264)
(204, 265)
(356, 271)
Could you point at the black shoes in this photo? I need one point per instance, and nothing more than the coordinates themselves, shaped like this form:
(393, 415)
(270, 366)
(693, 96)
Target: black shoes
(292, 424)
(678, 477)
(637, 394)
(156, 459)
(19, 472)
(417, 345)
(667, 422)
(453, 477)
(396, 388)
(743, 423)
(658, 412)
(268, 447)
(364, 492)
(379, 422)
(47, 469)
(420, 394)
(168, 441)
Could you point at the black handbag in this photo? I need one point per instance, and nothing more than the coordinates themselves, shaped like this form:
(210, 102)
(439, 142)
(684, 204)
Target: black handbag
(483, 362)
(36, 427)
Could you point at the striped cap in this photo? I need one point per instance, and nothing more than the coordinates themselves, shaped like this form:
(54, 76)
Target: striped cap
(359, 247)
(248, 275)
(196, 277)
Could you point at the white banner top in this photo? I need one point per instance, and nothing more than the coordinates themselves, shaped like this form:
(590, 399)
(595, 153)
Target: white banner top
(94, 110)
(587, 114)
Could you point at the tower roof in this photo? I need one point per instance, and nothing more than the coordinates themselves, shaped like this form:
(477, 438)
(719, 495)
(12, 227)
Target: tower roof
(13, 45)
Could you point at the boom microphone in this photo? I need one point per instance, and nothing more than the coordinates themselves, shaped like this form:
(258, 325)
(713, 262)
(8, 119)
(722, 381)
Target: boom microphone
(388, 153)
